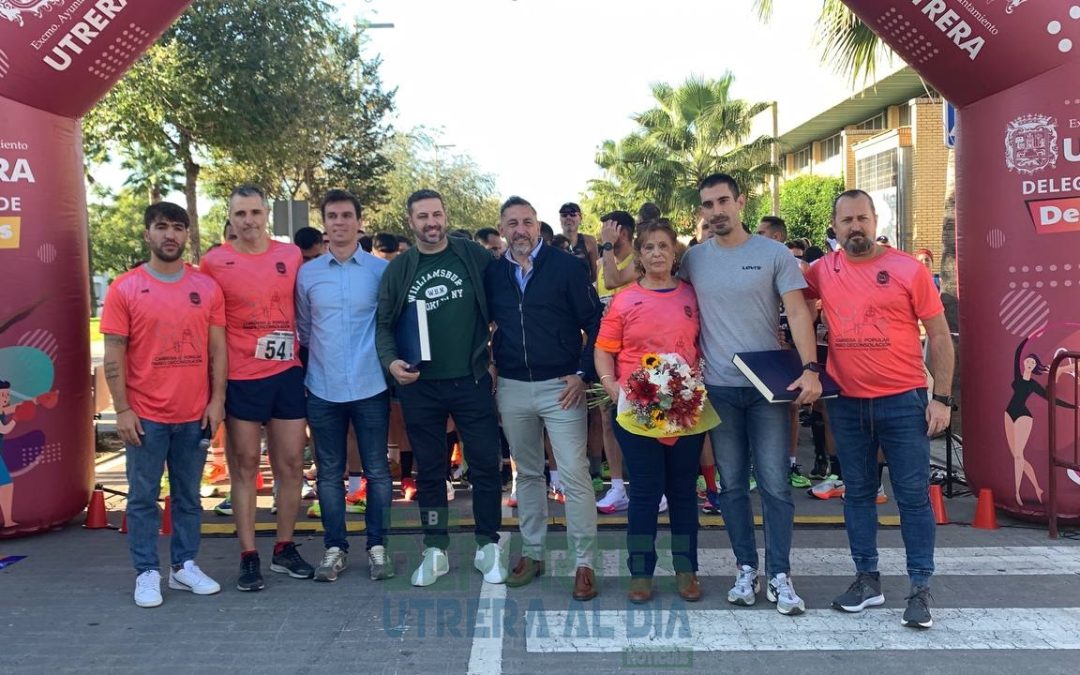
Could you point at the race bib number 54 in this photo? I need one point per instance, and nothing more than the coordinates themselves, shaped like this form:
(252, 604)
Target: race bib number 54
(277, 346)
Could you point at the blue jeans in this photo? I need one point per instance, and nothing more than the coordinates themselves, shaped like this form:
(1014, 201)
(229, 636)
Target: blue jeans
(898, 425)
(752, 430)
(656, 470)
(329, 424)
(178, 446)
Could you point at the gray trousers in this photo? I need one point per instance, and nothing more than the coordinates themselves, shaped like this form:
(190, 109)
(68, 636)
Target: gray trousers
(526, 409)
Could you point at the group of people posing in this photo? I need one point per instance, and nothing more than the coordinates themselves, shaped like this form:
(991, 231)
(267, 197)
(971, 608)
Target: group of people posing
(515, 339)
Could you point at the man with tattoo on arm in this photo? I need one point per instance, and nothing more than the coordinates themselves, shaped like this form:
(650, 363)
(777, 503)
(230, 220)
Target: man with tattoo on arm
(165, 365)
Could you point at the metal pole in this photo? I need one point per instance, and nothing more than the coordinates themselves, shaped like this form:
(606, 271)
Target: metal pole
(775, 160)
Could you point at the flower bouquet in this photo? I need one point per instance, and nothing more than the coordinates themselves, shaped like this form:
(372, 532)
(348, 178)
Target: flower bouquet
(666, 397)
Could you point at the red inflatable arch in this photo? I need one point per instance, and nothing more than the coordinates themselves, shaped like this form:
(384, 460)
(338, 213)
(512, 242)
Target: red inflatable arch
(1012, 66)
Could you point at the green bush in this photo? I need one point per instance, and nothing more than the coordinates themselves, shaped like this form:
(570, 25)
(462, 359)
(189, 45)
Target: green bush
(806, 206)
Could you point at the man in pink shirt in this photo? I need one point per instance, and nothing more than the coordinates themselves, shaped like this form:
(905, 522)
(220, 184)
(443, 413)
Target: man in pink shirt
(874, 297)
(266, 382)
(165, 365)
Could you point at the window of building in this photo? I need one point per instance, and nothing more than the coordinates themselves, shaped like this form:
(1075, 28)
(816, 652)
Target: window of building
(875, 122)
(905, 115)
(803, 158)
(831, 147)
(877, 172)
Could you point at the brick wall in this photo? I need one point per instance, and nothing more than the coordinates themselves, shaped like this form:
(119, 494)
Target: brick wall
(930, 156)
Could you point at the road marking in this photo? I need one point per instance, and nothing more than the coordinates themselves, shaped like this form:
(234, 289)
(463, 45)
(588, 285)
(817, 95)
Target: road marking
(831, 562)
(487, 643)
(723, 630)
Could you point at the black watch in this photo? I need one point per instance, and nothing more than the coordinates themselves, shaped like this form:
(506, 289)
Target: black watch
(946, 400)
(607, 246)
(813, 367)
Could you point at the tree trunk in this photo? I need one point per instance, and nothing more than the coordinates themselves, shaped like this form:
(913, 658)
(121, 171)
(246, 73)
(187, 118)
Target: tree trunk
(191, 180)
(155, 193)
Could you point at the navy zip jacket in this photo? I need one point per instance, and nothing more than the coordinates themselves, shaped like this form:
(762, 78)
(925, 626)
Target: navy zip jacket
(538, 333)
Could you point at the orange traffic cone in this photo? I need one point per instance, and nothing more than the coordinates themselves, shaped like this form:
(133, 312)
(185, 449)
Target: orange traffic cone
(166, 519)
(123, 523)
(937, 503)
(985, 516)
(95, 511)
(259, 482)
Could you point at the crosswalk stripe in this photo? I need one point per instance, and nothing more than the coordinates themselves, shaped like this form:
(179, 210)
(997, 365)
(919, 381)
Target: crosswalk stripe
(830, 562)
(724, 630)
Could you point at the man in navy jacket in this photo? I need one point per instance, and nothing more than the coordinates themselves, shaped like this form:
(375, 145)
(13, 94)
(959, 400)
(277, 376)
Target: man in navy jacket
(546, 315)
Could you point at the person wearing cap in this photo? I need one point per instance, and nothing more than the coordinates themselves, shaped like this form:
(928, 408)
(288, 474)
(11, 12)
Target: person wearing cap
(883, 240)
(582, 246)
(542, 303)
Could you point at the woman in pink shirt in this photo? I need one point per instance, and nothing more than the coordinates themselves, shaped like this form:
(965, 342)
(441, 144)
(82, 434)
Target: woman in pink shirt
(657, 314)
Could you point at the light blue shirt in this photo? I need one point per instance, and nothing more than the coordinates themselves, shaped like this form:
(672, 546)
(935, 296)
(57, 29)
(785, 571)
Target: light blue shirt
(335, 319)
(519, 272)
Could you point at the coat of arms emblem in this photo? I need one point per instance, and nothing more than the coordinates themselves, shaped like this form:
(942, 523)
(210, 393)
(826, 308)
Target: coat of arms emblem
(1031, 144)
(12, 10)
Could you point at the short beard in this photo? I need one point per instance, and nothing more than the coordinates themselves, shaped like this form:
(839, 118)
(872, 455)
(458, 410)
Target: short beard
(160, 254)
(859, 247)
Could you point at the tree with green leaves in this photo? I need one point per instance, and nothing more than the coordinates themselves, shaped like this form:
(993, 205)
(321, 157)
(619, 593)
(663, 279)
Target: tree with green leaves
(694, 130)
(253, 83)
(468, 193)
(806, 206)
(116, 230)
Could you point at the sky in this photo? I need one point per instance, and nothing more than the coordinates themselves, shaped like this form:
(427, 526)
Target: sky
(531, 88)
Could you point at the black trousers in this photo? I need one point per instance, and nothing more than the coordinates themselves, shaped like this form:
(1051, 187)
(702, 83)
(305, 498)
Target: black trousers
(426, 404)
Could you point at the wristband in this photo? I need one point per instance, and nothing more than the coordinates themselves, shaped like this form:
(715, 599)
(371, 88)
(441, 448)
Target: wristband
(602, 377)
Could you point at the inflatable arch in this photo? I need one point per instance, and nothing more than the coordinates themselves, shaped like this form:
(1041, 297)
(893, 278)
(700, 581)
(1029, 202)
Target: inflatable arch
(1011, 66)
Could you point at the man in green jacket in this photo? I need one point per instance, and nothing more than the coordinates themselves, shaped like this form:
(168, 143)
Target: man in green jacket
(447, 275)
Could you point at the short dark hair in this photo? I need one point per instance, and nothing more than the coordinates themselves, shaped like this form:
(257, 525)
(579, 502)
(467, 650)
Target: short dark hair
(339, 195)
(421, 195)
(174, 213)
(4, 384)
(366, 243)
(812, 253)
(648, 211)
(461, 233)
(385, 242)
(560, 242)
(546, 231)
(624, 219)
(795, 243)
(248, 190)
(720, 179)
(402, 239)
(307, 237)
(568, 208)
(514, 200)
(484, 232)
(851, 194)
(775, 224)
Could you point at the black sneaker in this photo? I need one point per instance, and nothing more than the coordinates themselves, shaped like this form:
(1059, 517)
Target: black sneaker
(864, 592)
(289, 562)
(917, 614)
(821, 468)
(250, 575)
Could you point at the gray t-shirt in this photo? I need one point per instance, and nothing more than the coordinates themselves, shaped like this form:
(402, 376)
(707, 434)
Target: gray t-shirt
(739, 293)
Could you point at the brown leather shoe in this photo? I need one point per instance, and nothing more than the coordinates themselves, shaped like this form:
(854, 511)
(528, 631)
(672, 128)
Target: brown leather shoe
(689, 588)
(525, 571)
(640, 590)
(584, 584)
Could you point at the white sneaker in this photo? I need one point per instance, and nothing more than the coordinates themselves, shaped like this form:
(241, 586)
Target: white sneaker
(433, 566)
(489, 562)
(333, 563)
(614, 500)
(191, 578)
(744, 592)
(148, 589)
(449, 491)
(783, 594)
(379, 565)
(663, 504)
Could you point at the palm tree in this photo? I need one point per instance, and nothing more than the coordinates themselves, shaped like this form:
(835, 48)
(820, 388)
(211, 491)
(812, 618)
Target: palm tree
(694, 130)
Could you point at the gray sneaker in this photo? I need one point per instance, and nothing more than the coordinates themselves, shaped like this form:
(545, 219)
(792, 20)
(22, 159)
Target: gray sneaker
(379, 565)
(780, 591)
(333, 562)
(746, 587)
(864, 592)
(917, 614)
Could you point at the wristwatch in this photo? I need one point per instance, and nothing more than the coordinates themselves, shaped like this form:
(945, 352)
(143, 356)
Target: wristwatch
(607, 246)
(946, 400)
(813, 367)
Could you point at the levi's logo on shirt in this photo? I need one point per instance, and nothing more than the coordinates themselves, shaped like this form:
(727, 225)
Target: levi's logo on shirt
(751, 267)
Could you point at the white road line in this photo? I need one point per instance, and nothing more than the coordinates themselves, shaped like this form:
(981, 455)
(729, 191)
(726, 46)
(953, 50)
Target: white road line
(829, 562)
(722, 630)
(487, 643)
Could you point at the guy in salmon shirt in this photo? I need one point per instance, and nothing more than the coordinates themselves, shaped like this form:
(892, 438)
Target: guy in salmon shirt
(874, 297)
(266, 382)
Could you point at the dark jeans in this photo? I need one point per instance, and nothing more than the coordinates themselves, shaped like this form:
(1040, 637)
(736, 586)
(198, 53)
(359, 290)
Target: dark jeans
(659, 470)
(426, 405)
(898, 425)
(329, 424)
(175, 445)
